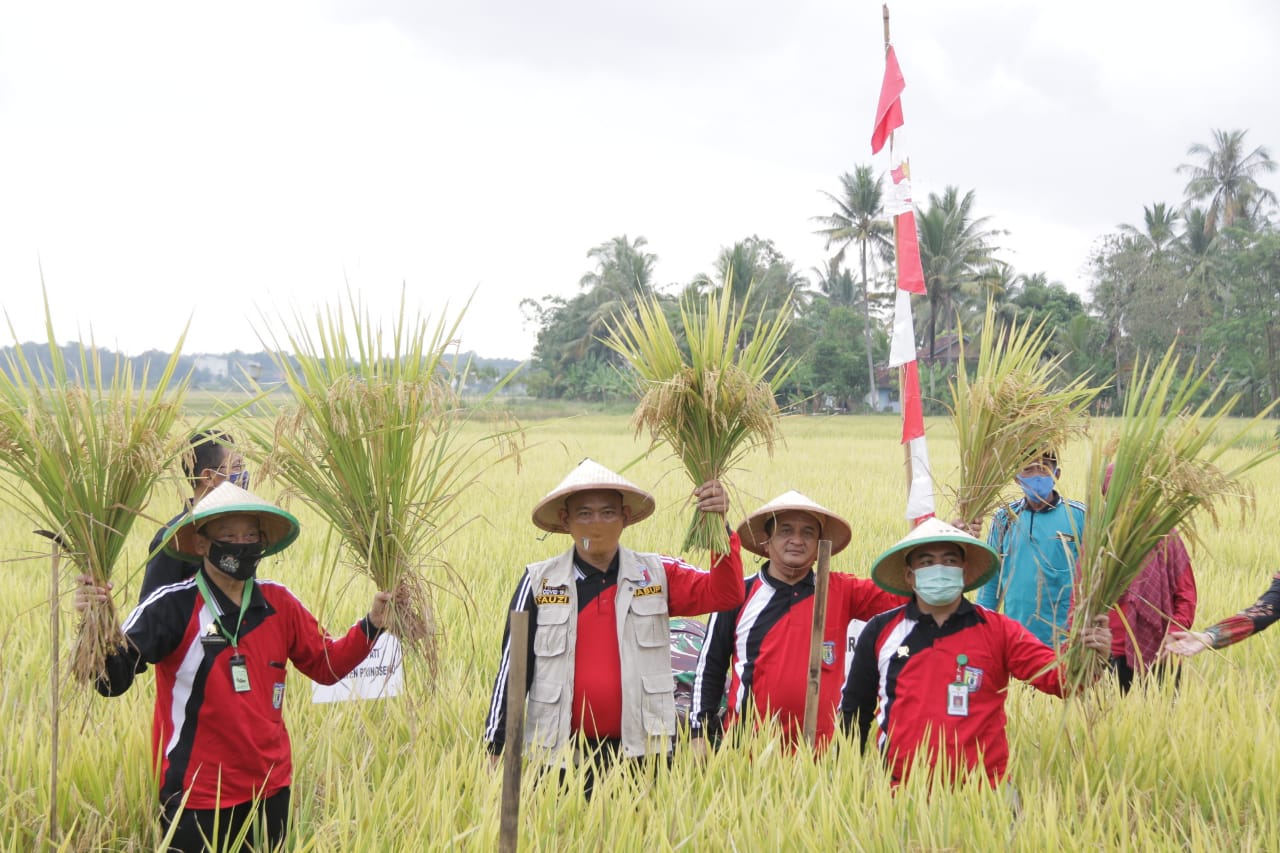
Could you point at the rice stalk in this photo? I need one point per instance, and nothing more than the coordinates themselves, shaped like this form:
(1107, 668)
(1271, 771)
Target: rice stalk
(1011, 410)
(1169, 472)
(717, 404)
(88, 445)
(373, 440)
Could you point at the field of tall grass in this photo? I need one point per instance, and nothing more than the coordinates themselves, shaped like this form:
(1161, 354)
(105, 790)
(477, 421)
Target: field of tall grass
(1151, 771)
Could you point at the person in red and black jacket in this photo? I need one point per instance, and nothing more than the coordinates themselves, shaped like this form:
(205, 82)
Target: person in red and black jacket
(764, 643)
(599, 676)
(931, 675)
(220, 643)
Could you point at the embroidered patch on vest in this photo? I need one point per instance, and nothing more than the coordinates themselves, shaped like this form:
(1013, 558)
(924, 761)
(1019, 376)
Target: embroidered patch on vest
(652, 589)
(552, 594)
(277, 695)
(828, 652)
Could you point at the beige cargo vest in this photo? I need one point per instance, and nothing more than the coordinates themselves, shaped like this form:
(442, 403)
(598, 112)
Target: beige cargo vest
(644, 644)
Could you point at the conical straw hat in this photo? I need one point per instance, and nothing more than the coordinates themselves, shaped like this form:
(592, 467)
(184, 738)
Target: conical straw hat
(587, 477)
(278, 527)
(752, 530)
(980, 561)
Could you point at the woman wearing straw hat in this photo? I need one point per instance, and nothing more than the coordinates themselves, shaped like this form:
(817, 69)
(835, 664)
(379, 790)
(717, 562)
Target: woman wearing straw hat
(599, 639)
(932, 674)
(220, 643)
(767, 639)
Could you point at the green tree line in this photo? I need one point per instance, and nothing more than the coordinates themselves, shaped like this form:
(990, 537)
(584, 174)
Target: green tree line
(1202, 275)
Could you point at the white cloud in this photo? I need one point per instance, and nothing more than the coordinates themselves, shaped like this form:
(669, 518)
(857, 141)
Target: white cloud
(166, 161)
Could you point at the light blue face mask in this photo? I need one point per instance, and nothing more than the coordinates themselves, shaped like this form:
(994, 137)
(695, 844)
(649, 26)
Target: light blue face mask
(939, 585)
(1038, 488)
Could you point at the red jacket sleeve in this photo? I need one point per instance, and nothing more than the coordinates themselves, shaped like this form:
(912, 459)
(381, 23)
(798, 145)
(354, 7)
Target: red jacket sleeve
(1028, 659)
(691, 591)
(866, 600)
(320, 657)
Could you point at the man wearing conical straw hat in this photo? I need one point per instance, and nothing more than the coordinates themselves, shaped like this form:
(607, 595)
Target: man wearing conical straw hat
(599, 641)
(932, 674)
(220, 642)
(766, 640)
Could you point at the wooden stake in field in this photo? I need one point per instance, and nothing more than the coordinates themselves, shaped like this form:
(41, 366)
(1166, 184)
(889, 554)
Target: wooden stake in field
(55, 701)
(822, 581)
(513, 754)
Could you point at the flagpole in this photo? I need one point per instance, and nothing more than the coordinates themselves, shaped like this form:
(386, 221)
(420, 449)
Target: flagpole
(902, 379)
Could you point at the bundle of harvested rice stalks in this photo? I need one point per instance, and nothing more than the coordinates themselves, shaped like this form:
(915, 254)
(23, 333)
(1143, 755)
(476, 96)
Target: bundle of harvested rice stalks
(1168, 456)
(718, 403)
(375, 440)
(1012, 409)
(88, 442)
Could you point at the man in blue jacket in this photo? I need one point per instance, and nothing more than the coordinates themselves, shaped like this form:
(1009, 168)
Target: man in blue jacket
(1038, 540)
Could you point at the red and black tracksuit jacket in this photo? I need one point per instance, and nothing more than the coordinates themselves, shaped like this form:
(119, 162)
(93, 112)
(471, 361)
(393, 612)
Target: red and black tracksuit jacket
(226, 747)
(902, 666)
(766, 640)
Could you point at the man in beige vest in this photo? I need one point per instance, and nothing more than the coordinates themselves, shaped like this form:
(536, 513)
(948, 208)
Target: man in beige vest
(600, 683)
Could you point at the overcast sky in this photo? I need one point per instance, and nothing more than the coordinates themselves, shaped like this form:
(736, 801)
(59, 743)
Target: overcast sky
(228, 162)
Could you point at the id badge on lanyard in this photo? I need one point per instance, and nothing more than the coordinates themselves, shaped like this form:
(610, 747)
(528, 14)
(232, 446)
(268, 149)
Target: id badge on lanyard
(958, 691)
(239, 673)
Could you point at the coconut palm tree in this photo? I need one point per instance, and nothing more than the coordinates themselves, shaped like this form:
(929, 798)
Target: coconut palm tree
(954, 246)
(1228, 177)
(623, 276)
(1159, 228)
(857, 219)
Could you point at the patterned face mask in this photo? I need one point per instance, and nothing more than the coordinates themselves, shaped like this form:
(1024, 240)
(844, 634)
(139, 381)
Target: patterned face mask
(239, 560)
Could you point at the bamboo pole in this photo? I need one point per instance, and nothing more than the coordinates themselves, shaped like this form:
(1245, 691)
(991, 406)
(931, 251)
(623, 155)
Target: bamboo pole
(821, 582)
(513, 753)
(902, 377)
(55, 557)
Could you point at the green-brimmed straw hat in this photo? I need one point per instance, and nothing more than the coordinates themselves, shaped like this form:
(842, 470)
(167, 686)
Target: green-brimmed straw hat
(591, 476)
(752, 530)
(278, 527)
(980, 561)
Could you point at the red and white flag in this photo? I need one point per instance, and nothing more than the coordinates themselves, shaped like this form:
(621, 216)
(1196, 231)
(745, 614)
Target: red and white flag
(910, 275)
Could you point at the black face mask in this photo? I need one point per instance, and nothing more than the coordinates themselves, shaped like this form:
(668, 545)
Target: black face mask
(240, 561)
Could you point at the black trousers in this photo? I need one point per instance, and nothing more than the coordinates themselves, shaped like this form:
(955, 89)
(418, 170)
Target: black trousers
(1160, 671)
(215, 829)
(598, 756)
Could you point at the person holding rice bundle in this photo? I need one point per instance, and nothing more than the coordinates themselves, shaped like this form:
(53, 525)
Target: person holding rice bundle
(1160, 599)
(599, 659)
(767, 639)
(211, 459)
(932, 674)
(1038, 540)
(220, 643)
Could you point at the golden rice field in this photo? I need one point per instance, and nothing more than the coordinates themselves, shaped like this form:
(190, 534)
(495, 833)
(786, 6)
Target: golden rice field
(1198, 770)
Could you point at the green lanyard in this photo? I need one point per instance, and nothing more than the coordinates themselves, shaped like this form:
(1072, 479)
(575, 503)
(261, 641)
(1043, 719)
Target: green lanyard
(208, 598)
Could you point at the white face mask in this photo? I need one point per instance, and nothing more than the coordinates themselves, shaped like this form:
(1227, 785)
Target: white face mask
(939, 585)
